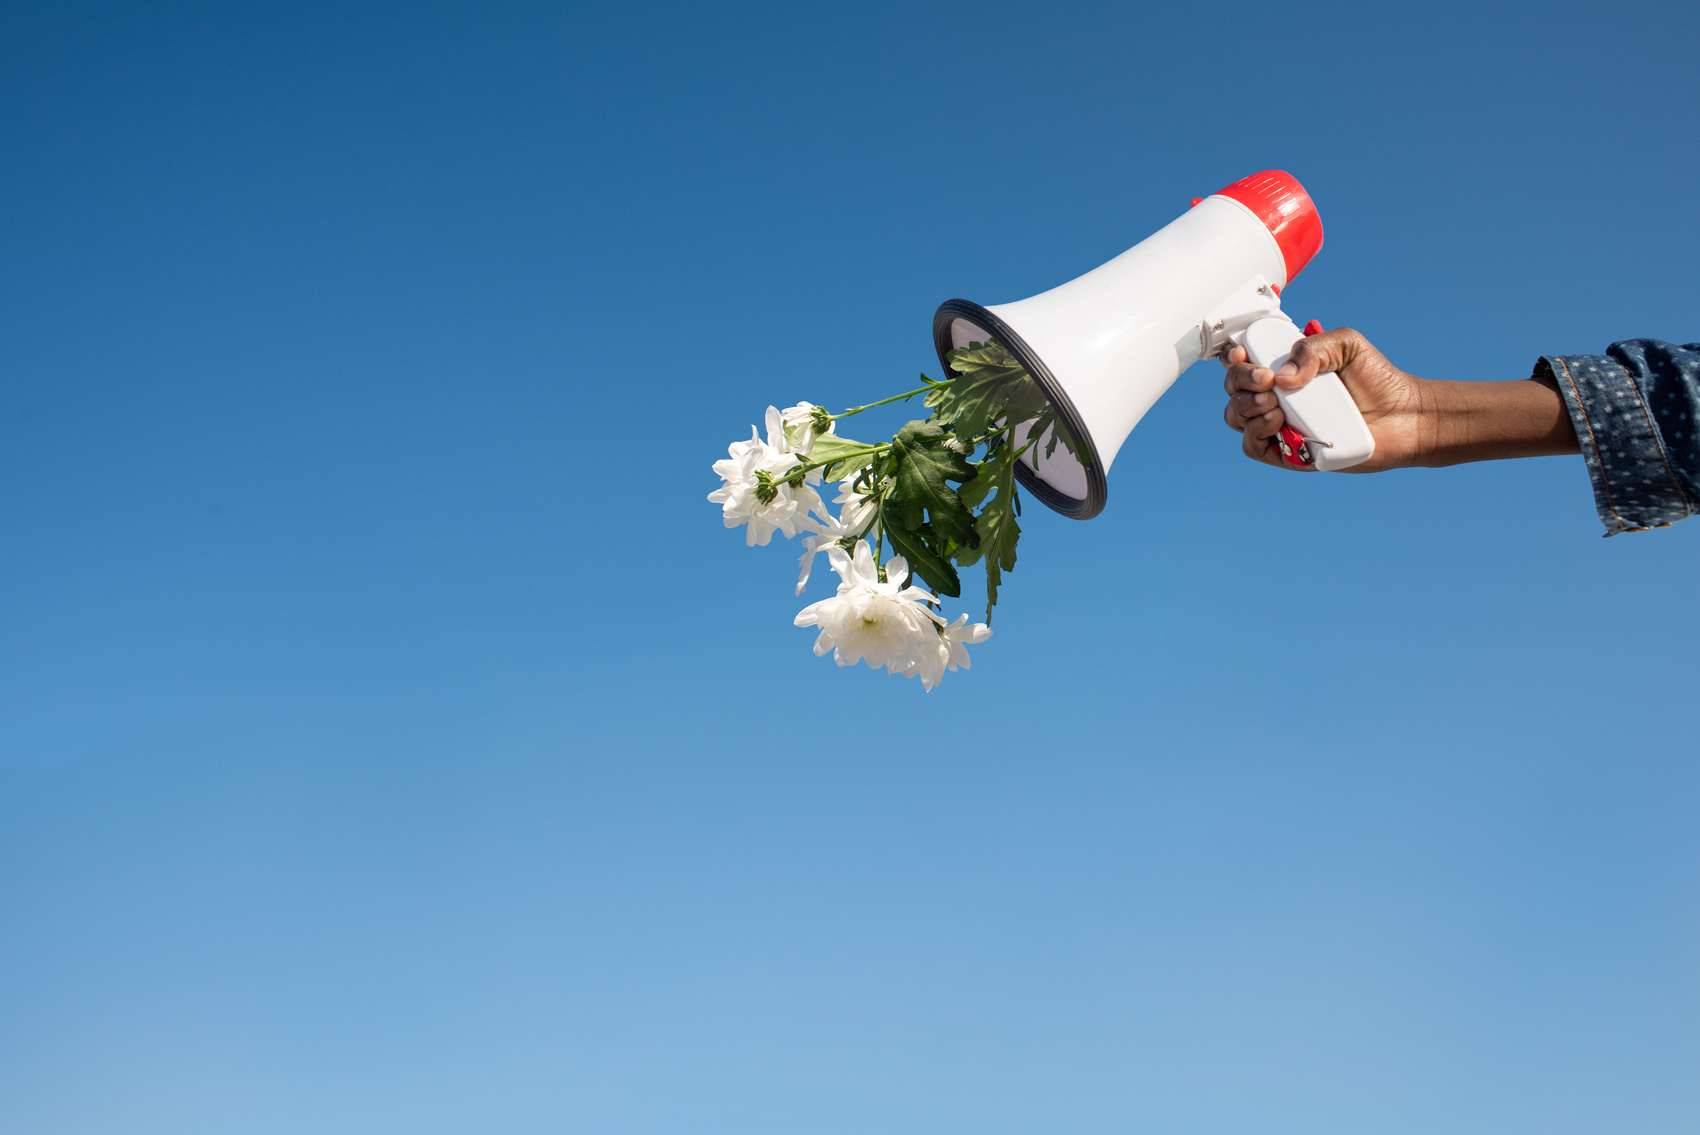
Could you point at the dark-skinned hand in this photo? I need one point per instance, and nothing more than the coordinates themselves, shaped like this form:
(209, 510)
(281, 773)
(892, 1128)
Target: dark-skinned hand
(1391, 401)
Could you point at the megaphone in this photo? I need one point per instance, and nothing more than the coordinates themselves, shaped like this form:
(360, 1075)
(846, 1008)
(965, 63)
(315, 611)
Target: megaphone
(1105, 346)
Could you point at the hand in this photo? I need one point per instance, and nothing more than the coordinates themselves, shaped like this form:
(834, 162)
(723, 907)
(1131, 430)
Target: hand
(1394, 404)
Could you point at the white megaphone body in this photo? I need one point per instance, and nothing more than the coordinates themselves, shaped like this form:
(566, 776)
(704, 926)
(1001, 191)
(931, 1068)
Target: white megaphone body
(1105, 346)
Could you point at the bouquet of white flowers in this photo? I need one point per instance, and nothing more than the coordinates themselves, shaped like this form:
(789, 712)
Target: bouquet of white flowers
(898, 492)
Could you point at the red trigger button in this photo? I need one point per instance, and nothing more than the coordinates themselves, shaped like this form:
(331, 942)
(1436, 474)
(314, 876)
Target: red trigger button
(1314, 327)
(1293, 447)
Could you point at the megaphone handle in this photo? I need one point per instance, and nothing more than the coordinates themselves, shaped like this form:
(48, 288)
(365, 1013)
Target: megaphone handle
(1324, 426)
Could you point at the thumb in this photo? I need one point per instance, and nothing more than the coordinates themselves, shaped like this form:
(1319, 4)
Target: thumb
(1320, 354)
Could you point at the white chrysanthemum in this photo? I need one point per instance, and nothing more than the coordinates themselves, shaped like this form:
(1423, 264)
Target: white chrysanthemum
(803, 425)
(755, 491)
(852, 518)
(880, 623)
(949, 652)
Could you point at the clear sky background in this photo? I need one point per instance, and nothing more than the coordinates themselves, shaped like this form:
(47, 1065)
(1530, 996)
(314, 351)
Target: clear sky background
(392, 740)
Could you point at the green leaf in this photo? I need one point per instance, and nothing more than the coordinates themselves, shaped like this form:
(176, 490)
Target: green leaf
(974, 493)
(1047, 420)
(923, 458)
(937, 393)
(990, 387)
(830, 448)
(996, 525)
(924, 559)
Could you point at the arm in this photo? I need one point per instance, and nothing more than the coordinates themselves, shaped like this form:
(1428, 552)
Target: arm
(1631, 412)
(1415, 421)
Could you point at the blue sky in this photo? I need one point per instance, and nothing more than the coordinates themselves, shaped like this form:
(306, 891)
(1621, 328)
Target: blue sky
(392, 740)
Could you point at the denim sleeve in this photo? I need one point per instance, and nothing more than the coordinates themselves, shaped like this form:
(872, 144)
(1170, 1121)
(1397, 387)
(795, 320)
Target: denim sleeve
(1635, 409)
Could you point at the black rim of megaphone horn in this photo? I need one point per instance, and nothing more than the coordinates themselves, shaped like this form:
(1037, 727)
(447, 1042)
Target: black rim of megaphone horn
(1096, 490)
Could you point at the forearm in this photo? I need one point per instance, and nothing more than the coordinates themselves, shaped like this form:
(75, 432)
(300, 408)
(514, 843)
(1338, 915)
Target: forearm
(1490, 421)
(1633, 414)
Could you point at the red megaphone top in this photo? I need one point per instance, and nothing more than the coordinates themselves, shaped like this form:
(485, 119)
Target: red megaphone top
(1282, 204)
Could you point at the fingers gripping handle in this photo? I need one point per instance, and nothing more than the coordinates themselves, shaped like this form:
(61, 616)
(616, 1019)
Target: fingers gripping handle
(1322, 412)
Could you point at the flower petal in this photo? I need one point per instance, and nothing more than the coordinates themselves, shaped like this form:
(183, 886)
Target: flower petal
(863, 563)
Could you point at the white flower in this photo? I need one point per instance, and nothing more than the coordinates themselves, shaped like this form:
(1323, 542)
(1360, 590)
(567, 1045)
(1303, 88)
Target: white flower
(850, 521)
(755, 491)
(803, 425)
(880, 623)
(949, 652)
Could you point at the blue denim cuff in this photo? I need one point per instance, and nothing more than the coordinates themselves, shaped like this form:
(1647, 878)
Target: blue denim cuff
(1635, 487)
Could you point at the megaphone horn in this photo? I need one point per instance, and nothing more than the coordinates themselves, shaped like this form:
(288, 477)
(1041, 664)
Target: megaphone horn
(1105, 346)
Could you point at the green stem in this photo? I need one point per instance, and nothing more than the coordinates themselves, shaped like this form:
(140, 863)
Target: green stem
(893, 398)
(879, 549)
